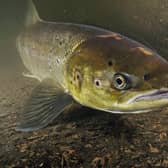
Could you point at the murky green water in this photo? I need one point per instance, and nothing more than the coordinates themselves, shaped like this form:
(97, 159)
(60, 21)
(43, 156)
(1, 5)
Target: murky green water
(145, 21)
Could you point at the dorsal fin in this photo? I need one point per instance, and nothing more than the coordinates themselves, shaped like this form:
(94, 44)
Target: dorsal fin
(32, 14)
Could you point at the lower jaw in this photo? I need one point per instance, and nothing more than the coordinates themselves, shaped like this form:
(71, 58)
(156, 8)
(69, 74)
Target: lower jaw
(134, 111)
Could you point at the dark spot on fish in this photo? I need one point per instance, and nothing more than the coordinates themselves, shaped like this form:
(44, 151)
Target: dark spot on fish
(146, 76)
(110, 63)
(74, 77)
(77, 76)
(58, 61)
(70, 37)
(97, 82)
(60, 43)
(78, 79)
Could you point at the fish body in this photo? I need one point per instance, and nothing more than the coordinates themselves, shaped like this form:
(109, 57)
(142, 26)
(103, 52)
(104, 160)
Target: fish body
(45, 46)
(88, 65)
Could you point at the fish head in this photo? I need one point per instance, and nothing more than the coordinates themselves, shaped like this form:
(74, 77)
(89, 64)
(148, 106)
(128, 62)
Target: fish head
(116, 74)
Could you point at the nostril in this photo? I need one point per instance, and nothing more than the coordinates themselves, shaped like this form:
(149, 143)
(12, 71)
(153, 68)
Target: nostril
(110, 63)
(146, 76)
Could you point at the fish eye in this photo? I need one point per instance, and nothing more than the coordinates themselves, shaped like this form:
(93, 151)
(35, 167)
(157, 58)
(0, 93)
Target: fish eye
(120, 81)
(97, 82)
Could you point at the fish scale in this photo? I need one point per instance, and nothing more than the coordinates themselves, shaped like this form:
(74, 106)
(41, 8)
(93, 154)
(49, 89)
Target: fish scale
(49, 41)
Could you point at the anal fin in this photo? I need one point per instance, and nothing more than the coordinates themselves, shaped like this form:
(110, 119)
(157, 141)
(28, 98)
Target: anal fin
(45, 104)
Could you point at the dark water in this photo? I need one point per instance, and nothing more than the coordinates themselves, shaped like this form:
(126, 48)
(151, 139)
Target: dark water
(145, 21)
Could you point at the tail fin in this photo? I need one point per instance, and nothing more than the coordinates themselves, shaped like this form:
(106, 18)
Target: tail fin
(32, 14)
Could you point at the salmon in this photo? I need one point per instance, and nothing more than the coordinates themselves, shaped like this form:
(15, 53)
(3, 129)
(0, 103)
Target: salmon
(90, 66)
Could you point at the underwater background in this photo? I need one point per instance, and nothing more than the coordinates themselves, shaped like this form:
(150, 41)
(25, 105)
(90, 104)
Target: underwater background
(80, 139)
(144, 21)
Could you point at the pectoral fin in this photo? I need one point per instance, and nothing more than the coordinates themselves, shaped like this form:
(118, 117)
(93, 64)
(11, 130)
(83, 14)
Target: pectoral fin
(45, 104)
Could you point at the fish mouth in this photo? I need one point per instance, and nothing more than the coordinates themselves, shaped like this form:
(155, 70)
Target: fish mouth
(152, 96)
(130, 107)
